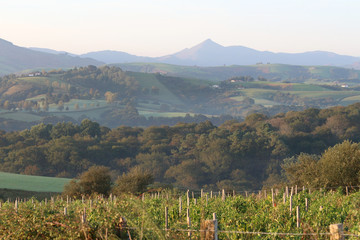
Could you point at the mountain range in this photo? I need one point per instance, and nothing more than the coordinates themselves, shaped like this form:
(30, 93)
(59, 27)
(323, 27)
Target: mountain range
(208, 53)
(15, 59)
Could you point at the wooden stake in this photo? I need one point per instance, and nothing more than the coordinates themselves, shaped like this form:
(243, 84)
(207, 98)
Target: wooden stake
(187, 199)
(215, 227)
(188, 222)
(306, 204)
(180, 205)
(297, 217)
(336, 232)
(290, 204)
(166, 218)
(284, 198)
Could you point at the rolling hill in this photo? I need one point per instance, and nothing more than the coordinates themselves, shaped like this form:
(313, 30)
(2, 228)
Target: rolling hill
(15, 59)
(273, 72)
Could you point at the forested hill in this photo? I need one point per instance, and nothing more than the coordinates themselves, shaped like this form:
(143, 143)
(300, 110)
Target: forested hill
(234, 155)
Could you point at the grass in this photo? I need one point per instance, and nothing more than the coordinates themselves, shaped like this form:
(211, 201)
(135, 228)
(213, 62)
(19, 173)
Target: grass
(337, 95)
(162, 114)
(32, 183)
(20, 116)
(278, 72)
(150, 80)
(350, 100)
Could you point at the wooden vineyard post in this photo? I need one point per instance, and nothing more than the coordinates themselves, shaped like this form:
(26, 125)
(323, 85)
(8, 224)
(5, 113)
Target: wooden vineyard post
(16, 205)
(306, 204)
(83, 216)
(347, 191)
(207, 199)
(284, 198)
(336, 232)
(166, 218)
(65, 211)
(211, 194)
(187, 199)
(201, 193)
(208, 229)
(297, 217)
(290, 205)
(287, 191)
(180, 205)
(215, 226)
(223, 195)
(188, 222)
(272, 197)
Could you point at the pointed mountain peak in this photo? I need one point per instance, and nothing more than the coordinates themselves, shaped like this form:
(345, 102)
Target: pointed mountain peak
(208, 43)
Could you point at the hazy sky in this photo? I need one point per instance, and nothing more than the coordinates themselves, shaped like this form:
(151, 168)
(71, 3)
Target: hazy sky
(159, 27)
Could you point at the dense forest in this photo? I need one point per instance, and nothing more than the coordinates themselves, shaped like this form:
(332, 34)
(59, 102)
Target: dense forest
(237, 155)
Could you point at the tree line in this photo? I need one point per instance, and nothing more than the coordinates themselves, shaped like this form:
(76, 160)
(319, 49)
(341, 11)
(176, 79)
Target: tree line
(259, 151)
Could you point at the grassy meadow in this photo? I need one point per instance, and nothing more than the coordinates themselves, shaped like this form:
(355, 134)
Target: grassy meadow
(31, 183)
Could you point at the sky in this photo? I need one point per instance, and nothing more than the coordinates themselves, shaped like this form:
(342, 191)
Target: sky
(160, 27)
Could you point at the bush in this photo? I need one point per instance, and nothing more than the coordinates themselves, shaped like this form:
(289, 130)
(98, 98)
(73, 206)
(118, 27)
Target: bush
(135, 182)
(96, 180)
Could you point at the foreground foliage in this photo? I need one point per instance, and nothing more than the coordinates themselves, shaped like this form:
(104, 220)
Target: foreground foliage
(145, 219)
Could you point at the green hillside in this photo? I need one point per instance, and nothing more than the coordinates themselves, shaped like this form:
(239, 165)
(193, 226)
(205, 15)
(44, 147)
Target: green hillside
(114, 97)
(274, 72)
(31, 183)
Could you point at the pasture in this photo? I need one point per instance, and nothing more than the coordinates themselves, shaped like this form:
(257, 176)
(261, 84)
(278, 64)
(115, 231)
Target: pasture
(32, 183)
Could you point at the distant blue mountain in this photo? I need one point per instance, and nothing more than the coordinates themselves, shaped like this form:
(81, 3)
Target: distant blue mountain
(209, 53)
(109, 57)
(16, 59)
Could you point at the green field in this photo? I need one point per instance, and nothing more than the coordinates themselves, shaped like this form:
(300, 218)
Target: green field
(32, 183)
(149, 81)
(275, 72)
(162, 114)
(20, 116)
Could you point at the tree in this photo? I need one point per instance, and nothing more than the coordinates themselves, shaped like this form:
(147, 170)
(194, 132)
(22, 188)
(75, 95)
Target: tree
(340, 165)
(135, 181)
(89, 128)
(96, 180)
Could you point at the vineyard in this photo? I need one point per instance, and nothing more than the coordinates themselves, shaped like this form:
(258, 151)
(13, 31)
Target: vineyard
(174, 215)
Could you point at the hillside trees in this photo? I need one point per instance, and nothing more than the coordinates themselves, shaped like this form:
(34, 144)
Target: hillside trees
(337, 166)
(239, 155)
